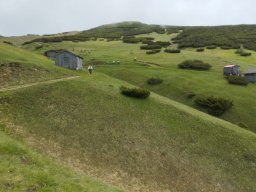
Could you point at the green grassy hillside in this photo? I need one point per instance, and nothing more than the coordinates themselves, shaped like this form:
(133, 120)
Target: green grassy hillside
(21, 169)
(154, 144)
(18, 66)
(177, 83)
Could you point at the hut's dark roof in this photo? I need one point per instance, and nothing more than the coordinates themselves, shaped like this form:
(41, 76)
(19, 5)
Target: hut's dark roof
(250, 71)
(66, 51)
(231, 65)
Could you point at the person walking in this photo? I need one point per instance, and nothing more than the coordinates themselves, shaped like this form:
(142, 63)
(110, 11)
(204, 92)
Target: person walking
(90, 68)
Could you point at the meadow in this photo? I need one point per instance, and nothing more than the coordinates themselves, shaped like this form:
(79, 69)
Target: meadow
(162, 143)
(177, 83)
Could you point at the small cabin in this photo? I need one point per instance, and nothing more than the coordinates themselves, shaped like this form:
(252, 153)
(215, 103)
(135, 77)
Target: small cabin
(65, 59)
(250, 75)
(69, 60)
(231, 70)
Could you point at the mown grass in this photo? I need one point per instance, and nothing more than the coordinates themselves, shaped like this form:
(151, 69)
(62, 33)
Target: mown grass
(21, 169)
(154, 142)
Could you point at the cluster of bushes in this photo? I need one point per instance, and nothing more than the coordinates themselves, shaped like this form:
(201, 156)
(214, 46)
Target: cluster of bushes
(8, 42)
(154, 81)
(153, 51)
(200, 49)
(148, 47)
(225, 47)
(245, 54)
(135, 92)
(132, 39)
(227, 36)
(109, 32)
(38, 47)
(172, 50)
(238, 80)
(215, 105)
(57, 39)
(242, 52)
(211, 47)
(194, 64)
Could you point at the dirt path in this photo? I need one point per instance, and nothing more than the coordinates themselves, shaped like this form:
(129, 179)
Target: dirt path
(10, 88)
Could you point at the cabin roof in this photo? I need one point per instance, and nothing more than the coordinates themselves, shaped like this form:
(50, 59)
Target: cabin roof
(63, 51)
(231, 65)
(250, 71)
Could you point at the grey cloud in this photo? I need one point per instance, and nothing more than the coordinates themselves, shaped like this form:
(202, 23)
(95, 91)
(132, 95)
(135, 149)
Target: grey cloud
(52, 16)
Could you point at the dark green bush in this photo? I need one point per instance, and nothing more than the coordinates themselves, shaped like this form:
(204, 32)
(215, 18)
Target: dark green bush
(8, 42)
(225, 47)
(238, 80)
(148, 47)
(172, 50)
(243, 125)
(245, 54)
(194, 64)
(211, 47)
(154, 81)
(38, 47)
(200, 49)
(190, 95)
(135, 92)
(215, 105)
(154, 51)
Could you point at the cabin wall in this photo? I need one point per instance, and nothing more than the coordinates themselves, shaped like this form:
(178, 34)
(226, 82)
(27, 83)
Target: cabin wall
(231, 70)
(69, 61)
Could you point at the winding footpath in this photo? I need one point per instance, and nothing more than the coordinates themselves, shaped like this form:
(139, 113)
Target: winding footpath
(11, 88)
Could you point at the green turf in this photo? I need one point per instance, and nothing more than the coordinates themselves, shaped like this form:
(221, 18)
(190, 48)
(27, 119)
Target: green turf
(157, 142)
(177, 83)
(18, 66)
(21, 169)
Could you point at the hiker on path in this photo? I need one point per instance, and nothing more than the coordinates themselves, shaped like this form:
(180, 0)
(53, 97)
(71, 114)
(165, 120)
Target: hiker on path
(90, 68)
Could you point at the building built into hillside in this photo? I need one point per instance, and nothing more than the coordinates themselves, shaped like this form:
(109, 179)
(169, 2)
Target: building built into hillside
(250, 75)
(65, 59)
(231, 70)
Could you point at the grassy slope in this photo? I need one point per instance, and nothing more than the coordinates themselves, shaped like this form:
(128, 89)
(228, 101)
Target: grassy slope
(29, 67)
(21, 169)
(132, 143)
(177, 83)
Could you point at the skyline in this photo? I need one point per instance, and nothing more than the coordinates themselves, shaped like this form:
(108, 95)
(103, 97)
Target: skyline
(21, 17)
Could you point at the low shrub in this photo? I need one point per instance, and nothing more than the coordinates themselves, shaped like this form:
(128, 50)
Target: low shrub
(190, 95)
(215, 105)
(135, 92)
(154, 51)
(38, 47)
(194, 64)
(8, 42)
(148, 47)
(200, 49)
(238, 80)
(172, 50)
(245, 54)
(225, 47)
(243, 125)
(154, 81)
(211, 47)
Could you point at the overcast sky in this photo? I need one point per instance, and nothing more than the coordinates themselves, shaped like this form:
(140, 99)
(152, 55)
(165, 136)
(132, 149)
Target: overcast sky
(19, 17)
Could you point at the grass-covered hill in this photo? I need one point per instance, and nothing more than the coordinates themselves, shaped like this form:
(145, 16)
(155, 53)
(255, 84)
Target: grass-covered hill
(23, 169)
(147, 145)
(177, 83)
(161, 143)
(222, 36)
(18, 66)
(110, 32)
